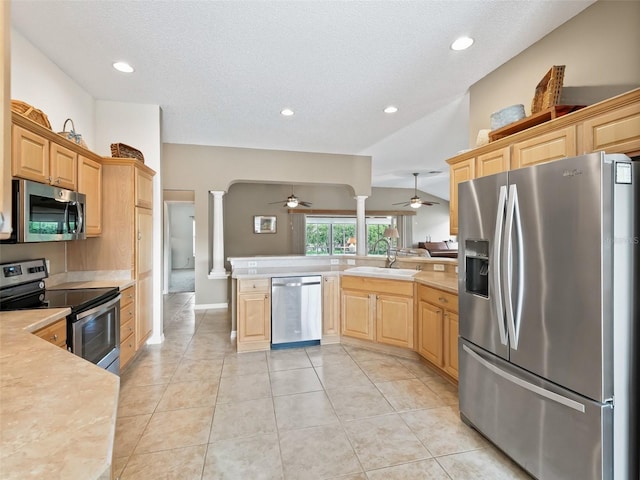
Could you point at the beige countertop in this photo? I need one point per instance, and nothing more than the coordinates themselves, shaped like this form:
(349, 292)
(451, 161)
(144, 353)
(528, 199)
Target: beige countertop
(442, 280)
(120, 284)
(57, 411)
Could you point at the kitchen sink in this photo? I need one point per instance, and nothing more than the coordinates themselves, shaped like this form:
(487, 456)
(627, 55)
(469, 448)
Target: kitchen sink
(399, 273)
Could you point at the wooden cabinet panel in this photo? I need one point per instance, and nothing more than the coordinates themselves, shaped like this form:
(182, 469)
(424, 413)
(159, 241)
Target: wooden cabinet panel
(127, 296)
(63, 167)
(330, 309)
(90, 183)
(144, 274)
(253, 285)
(29, 155)
(493, 162)
(357, 315)
(379, 285)
(144, 189)
(438, 328)
(126, 328)
(460, 172)
(441, 299)
(394, 320)
(254, 321)
(430, 333)
(55, 333)
(127, 350)
(614, 132)
(451, 344)
(544, 148)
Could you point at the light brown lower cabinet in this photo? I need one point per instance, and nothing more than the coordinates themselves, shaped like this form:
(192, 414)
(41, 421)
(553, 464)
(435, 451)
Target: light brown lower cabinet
(254, 315)
(55, 333)
(331, 308)
(438, 328)
(127, 325)
(378, 310)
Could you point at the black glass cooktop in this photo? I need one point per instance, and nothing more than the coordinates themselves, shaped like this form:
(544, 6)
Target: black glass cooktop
(77, 300)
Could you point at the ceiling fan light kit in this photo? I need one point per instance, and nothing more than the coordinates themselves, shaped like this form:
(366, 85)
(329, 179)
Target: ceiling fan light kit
(292, 201)
(416, 201)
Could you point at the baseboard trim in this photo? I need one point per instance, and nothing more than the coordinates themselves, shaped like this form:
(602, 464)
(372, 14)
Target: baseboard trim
(210, 306)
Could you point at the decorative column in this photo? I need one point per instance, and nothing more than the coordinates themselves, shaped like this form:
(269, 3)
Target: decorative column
(361, 228)
(218, 270)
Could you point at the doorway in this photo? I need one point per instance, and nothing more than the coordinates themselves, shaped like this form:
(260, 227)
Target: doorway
(179, 251)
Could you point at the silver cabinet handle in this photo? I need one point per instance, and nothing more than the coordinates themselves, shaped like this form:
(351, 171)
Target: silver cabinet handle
(443, 300)
(55, 337)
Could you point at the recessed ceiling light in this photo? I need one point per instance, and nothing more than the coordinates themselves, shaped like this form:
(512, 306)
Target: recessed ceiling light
(287, 112)
(462, 43)
(123, 67)
(391, 109)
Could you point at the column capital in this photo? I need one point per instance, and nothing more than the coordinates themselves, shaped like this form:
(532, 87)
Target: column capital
(217, 193)
(361, 197)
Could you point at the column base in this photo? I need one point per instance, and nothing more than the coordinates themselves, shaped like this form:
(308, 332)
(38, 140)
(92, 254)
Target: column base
(218, 274)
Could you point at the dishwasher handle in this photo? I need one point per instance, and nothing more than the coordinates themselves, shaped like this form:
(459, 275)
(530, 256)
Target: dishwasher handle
(295, 282)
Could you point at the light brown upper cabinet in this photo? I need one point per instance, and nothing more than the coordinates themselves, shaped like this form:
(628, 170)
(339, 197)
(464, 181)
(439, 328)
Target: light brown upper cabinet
(90, 183)
(612, 126)
(33, 157)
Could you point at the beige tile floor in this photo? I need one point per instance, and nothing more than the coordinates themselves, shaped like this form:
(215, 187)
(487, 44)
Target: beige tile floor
(192, 408)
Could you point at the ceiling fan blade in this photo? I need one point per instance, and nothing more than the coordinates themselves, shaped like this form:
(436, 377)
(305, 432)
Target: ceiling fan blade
(305, 204)
(430, 203)
(273, 203)
(401, 203)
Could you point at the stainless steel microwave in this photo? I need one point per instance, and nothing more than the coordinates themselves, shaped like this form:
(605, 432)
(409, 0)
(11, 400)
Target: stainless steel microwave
(43, 213)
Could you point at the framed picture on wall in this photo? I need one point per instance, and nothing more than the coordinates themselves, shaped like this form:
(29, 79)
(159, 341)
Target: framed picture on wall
(264, 224)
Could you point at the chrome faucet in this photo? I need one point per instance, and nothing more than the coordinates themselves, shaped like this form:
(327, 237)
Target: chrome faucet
(390, 261)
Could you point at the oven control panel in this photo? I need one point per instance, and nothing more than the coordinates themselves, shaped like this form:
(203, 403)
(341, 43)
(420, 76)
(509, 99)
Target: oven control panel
(16, 273)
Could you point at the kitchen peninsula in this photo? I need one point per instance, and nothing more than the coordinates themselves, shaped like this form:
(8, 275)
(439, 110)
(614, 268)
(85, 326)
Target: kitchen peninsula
(409, 311)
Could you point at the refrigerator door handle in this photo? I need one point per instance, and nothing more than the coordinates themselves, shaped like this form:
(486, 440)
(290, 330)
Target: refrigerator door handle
(513, 315)
(495, 266)
(524, 384)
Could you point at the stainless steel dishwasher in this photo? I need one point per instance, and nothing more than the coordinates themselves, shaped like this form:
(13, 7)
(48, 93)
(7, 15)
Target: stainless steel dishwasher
(296, 311)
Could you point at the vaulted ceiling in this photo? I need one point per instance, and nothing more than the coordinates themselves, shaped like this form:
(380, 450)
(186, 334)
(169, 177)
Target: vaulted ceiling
(223, 70)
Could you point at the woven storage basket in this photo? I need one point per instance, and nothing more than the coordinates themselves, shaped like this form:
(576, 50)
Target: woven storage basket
(549, 89)
(30, 112)
(72, 134)
(121, 150)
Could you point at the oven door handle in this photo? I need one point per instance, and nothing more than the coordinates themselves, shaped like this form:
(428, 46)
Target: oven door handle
(99, 309)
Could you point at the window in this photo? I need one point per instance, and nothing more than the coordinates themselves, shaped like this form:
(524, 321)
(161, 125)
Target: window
(337, 235)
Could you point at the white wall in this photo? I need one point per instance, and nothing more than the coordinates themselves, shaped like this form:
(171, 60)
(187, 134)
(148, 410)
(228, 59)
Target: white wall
(40, 83)
(181, 216)
(599, 46)
(138, 126)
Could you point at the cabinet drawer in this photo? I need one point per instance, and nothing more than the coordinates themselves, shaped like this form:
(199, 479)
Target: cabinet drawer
(378, 285)
(127, 296)
(55, 333)
(127, 349)
(127, 313)
(126, 328)
(445, 300)
(256, 285)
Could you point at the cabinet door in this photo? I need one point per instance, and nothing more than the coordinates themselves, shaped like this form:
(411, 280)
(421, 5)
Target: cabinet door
(430, 333)
(55, 333)
(29, 155)
(254, 321)
(331, 309)
(90, 183)
(451, 343)
(63, 167)
(357, 315)
(460, 172)
(394, 320)
(614, 132)
(144, 189)
(493, 162)
(544, 148)
(144, 274)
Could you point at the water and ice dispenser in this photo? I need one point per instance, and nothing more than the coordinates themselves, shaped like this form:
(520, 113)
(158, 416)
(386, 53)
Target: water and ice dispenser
(477, 267)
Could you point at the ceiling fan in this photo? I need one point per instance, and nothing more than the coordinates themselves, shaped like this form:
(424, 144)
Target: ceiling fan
(415, 201)
(292, 201)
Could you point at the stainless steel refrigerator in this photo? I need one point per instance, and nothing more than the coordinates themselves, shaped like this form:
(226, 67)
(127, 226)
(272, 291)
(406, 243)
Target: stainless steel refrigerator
(549, 327)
